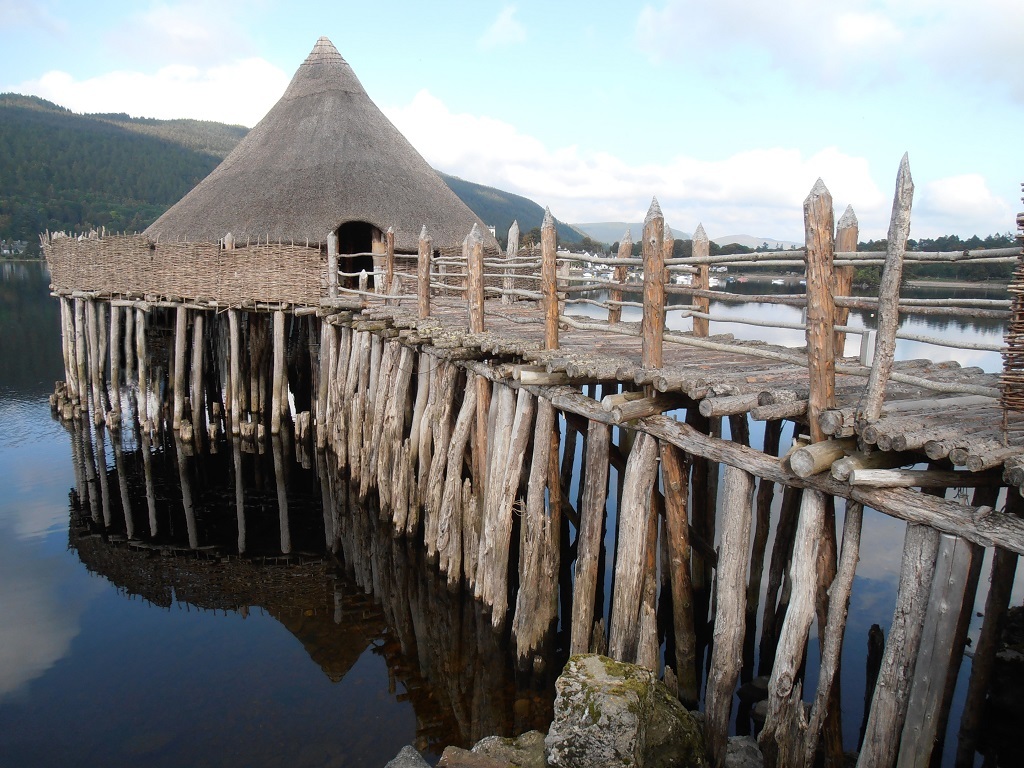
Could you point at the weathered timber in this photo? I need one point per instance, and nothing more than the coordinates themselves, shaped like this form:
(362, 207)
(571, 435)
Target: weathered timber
(618, 278)
(1004, 567)
(859, 460)
(730, 595)
(922, 478)
(652, 326)
(675, 476)
(783, 738)
(180, 344)
(536, 601)
(641, 471)
(835, 629)
(821, 357)
(494, 513)
(495, 590)
(847, 230)
(937, 648)
(888, 295)
(449, 529)
(701, 247)
(890, 701)
(426, 247)
(549, 280)
(592, 515)
(819, 456)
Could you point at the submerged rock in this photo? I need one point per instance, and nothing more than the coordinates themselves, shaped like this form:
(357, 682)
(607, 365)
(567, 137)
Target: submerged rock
(408, 758)
(612, 713)
(525, 751)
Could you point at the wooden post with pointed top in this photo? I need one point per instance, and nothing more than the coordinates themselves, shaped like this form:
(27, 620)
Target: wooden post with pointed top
(475, 270)
(652, 327)
(619, 277)
(549, 280)
(847, 232)
(389, 259)
(821, 358)
(426, 247)
(511, 250)
(701, 250)
(332, 264)
(889, 295)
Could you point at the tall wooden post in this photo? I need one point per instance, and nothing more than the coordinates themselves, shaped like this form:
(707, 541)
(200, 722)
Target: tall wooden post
(475, 270)
(549, 279)
(511, 251)
(95, 372)
(619, 277)
(279, 387)
(180, 342)
(847, 233)
(821, 358)
(426, 247)
(389, 258)
(652, 327)
(701, 250)
(727, 647)
(196, 390)
(141, 356)
(332, 264)
(235, 377)
(81, 357)
(115, 358)
(592, 514)
(889, 295)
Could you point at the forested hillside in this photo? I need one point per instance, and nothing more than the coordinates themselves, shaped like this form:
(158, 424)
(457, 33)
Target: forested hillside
(61, 171)
(64, 171)
(499, 209)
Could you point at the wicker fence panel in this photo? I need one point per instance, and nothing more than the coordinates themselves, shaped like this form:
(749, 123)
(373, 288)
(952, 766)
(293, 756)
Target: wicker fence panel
(133, 265)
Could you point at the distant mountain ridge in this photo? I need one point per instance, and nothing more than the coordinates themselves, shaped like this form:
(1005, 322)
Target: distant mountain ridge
(62, 171)
(612, 231)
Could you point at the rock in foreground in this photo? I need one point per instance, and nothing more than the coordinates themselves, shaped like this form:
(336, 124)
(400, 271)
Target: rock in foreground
(610, 713)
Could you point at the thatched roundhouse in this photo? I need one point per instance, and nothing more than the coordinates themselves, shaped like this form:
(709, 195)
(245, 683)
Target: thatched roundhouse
(324, 159)
(324, 162)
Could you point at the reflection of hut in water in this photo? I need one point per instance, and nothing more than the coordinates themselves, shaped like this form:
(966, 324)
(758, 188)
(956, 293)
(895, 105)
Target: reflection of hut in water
(376, 594)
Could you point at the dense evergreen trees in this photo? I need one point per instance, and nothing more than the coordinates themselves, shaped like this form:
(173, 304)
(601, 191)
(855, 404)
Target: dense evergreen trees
(62, 171)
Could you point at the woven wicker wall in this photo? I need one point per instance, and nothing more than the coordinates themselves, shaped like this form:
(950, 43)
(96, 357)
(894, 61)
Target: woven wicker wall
(134, 265)
(1013, 356)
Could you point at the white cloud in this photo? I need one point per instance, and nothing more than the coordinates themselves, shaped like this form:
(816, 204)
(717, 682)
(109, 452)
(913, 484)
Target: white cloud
(504, 31)
(756, 191)
(192, 31)
(959, 204)
(860, 41)
(241, 91)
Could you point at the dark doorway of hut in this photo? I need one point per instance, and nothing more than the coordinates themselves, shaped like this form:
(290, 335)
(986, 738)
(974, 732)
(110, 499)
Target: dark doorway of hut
(357, 241)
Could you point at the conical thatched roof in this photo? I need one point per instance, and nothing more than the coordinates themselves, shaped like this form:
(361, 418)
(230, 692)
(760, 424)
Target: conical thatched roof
(324, 155)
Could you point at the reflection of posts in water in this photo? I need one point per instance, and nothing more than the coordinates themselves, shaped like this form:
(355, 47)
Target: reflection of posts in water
(282, 496)
(147, 466)
(89, 459)
(186, 493)
(101, 469)
(327, 500)
(236, 453)
(81, 486)
(122, 481)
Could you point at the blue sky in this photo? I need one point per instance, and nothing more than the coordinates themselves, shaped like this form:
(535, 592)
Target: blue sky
(727, 112)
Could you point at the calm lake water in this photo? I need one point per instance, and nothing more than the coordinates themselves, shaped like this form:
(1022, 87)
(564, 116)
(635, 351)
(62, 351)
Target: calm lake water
(228, 632)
